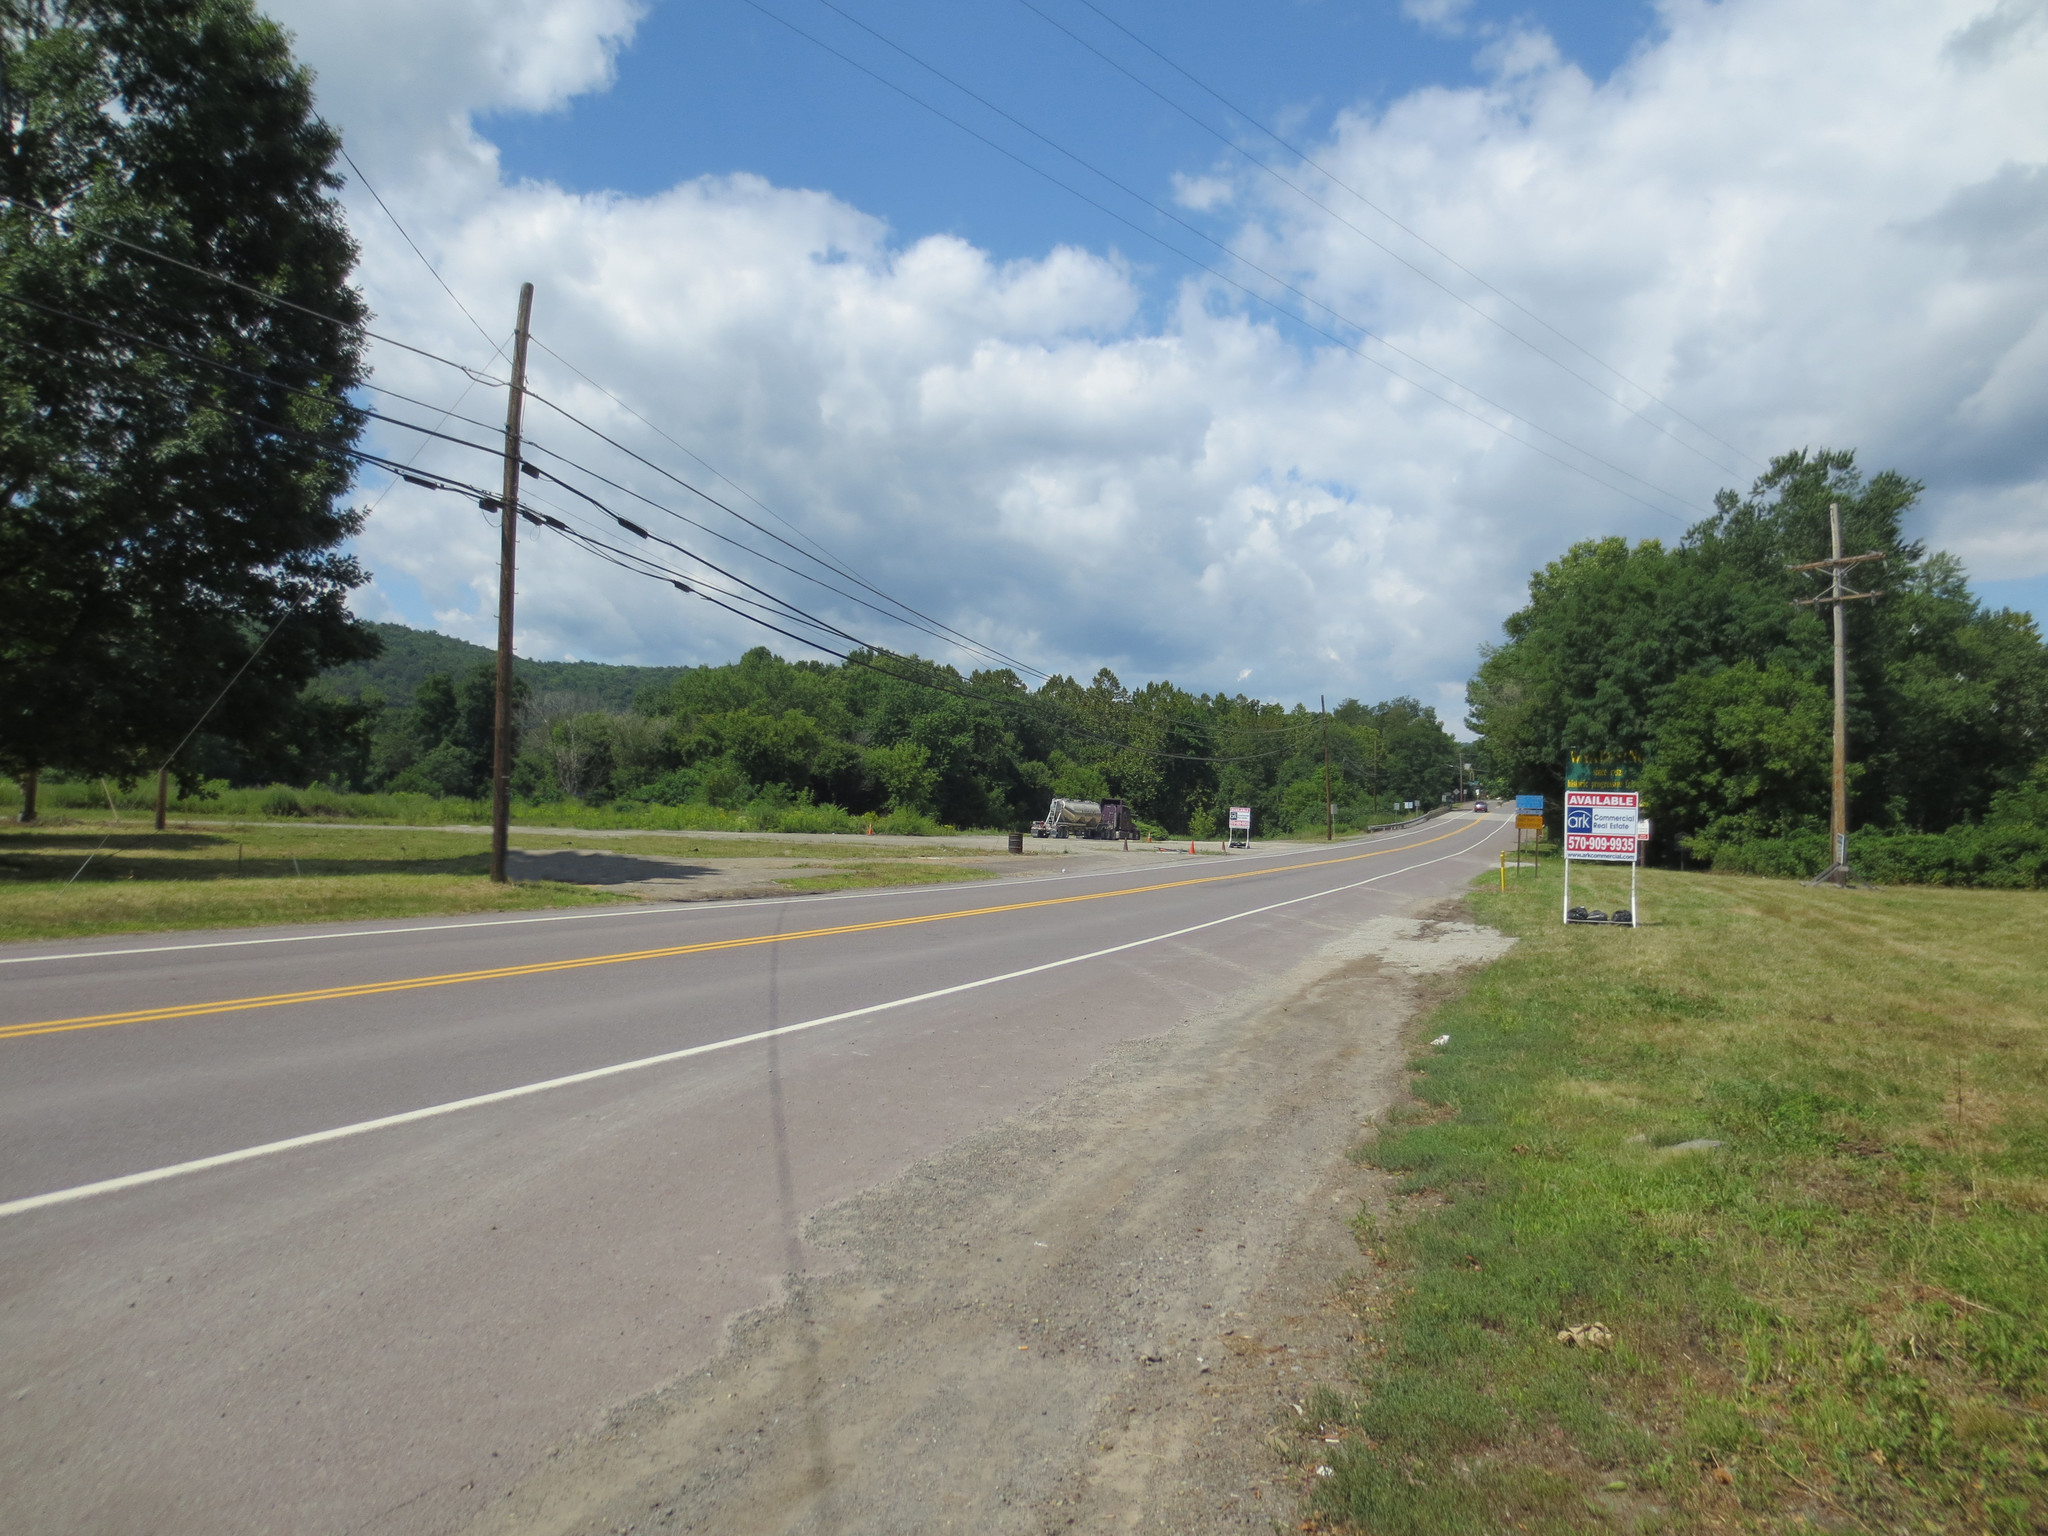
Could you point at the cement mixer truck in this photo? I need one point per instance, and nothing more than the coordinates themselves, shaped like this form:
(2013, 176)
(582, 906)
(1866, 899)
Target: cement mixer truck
(1086, 818)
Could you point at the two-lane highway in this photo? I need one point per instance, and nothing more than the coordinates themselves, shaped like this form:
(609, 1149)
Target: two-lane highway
(337, 1229)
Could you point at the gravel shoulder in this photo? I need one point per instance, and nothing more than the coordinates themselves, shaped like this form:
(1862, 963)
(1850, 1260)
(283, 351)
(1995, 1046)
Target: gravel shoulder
(1089, 1318)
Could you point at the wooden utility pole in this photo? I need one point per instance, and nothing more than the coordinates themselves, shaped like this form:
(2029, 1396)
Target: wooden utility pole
(163, 794)
(1329, 805)
(508, 551)
(1838, 596)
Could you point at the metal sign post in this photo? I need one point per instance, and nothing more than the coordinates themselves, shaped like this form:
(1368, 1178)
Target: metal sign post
(1600, 827)
(1528, 818)
(1240, 826)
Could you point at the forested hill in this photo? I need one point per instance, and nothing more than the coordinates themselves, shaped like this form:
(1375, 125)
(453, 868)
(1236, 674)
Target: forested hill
(763, 734)
(411, 656)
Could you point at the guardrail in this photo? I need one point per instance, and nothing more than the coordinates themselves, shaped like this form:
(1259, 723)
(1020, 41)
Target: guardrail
(1412, 821)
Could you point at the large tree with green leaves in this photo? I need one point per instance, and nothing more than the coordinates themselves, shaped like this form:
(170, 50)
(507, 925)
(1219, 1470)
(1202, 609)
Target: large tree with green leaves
(176, 336)
(1621, 650)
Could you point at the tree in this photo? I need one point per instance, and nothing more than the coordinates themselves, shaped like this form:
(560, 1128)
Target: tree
(447, 735)
(1741, 752)
(1947, 702)
(172, 445)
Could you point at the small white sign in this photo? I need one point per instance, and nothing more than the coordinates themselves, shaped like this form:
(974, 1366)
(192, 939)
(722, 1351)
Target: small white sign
(1643, 827)
(1240, 818)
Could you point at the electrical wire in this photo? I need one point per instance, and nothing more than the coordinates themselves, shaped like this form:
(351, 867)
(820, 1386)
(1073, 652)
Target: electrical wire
(1421, 272)
(488, 503)
(1244, 288)
(73, 227)
(642, 565)
(457, 301)
(1272, 277)
(789, 610)
(683, 448)
(949, 638)
(619, 558)
(958, 636)
(472, 319)
(404, 471)
(1306, 159)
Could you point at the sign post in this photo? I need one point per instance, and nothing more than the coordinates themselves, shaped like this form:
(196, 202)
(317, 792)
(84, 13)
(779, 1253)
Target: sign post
(1528, 818)
(1240, 827)
(1601, 826)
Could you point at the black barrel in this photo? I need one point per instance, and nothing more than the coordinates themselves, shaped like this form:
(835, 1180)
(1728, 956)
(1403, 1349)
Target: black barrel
(1016, 842)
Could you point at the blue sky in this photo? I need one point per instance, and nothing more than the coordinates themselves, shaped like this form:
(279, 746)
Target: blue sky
(1798, 222)
(715, 86)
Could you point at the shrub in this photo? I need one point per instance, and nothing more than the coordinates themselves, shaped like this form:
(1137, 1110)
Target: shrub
(282, 800)
(1991, 857)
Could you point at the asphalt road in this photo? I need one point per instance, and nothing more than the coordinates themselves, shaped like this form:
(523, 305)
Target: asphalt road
(339, 1230)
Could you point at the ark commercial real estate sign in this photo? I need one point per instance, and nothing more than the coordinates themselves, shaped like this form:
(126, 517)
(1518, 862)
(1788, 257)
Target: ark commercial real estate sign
(1600, 825)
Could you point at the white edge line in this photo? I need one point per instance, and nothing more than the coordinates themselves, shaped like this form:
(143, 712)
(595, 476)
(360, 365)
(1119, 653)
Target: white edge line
(432, 1111)
(649, 908)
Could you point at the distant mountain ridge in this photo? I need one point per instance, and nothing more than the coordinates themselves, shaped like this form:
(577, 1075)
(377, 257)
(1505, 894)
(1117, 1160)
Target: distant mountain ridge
(411, 656)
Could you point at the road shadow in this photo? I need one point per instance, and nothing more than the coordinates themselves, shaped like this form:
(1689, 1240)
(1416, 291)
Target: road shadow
(154, 860)
(599, 866)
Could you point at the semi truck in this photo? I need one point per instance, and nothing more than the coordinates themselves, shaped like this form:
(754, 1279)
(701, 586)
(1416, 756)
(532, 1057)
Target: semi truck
(1086, 818)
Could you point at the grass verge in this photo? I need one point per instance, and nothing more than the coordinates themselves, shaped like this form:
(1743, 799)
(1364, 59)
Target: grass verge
(1837, 1320)
(60, 883)
(883, 872)
(75, 881)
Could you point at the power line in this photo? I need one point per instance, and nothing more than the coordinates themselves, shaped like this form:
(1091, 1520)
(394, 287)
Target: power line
(74, 228)
(1243, 288)
(959, 636)
(642, 565)
(447, 413)
(1421, 272)
(659, 573)
(986, 651)
(488, 449)
(683, 448)
(1304, 156)
(1270, 276)
(472, 319)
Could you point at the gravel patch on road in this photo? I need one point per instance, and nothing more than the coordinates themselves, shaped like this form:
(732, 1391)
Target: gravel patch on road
(1090, 1318)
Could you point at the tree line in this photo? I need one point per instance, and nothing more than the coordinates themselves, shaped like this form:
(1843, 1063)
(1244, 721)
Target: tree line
(886, 733)
(1696, 658)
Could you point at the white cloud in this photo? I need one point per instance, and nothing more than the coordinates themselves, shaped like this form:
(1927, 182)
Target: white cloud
(1446, 18)
(1799, 221)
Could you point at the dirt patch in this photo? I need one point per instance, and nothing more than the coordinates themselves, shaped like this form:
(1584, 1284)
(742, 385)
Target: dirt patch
(1089, 1318)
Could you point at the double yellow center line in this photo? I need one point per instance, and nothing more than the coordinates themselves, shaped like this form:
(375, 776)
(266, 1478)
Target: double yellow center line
(547, 967)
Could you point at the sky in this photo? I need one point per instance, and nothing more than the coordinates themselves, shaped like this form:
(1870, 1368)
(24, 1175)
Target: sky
(1265, 347)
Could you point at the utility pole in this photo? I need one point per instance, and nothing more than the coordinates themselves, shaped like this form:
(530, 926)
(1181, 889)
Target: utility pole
(508, 551)
(1329, 805)
(163, 794)
(1838, 596)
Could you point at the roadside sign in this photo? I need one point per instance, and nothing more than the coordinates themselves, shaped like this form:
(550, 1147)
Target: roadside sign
(1608, 773)
(1529, 803)
(1643, 828)
(1600, 825)
(1524, 822)
(1240, 818)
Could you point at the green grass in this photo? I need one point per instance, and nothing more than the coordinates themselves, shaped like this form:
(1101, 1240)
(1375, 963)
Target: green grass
(882, 872)
(1838, 1321)
(73, 882)
(99, 799)
(65, 878)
